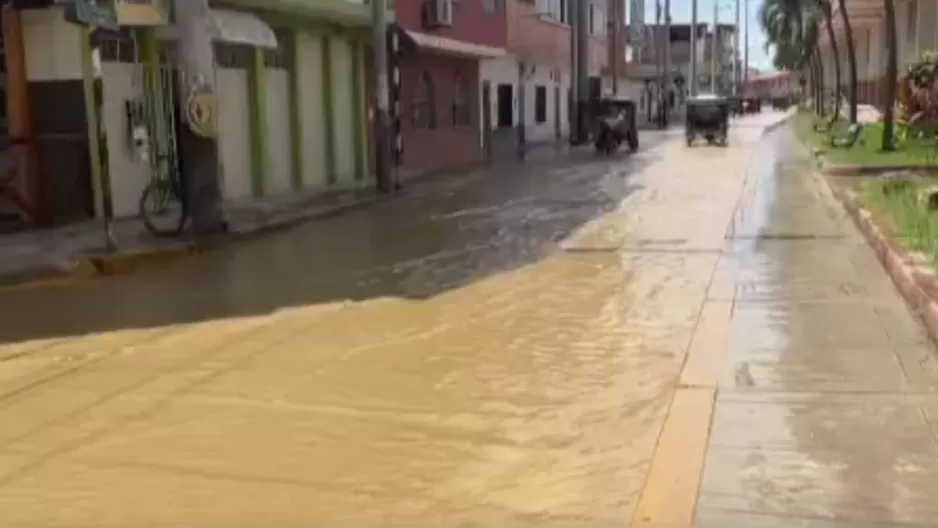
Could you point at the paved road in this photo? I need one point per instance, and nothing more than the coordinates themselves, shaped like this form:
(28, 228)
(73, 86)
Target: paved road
(683, 337)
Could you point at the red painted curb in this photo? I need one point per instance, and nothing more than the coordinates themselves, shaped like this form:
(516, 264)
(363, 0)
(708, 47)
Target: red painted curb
(914, 280)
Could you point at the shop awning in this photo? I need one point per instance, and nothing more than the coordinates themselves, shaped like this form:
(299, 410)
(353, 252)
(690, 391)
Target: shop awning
(233, 27)
(452, 46)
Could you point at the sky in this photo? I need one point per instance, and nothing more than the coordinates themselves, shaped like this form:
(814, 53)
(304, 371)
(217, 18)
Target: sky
(681, 13)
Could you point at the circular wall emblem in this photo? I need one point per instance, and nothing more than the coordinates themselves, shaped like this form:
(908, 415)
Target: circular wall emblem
(200, 112)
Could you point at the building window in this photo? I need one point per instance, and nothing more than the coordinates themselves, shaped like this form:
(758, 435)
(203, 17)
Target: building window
(276, 58)
(540, 104)
(488, 6)
(462, 102)
(119, 46)
(553, 10)
(232, 56)
(424, 103)
(597, 21)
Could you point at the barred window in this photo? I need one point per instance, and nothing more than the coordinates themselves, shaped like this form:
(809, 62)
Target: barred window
(276, 58)
(462, 101)
(116, 46)
(233, 56)
(424, 103)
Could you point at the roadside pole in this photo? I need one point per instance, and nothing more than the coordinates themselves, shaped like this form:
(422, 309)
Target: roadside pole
(666, 73)
(199, 139)
(659, 61)
(574, 112)
(616, 43)
(746, 47)
(382, 116)
(713, 46)
(692, 85)
(583, 68)
(735, 54)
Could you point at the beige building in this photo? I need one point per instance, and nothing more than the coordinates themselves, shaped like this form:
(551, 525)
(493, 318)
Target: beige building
(916, 23)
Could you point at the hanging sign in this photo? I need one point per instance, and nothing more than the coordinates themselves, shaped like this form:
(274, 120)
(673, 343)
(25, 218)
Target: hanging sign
(94, 13)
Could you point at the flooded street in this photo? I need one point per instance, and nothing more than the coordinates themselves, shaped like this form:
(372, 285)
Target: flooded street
(686, 337)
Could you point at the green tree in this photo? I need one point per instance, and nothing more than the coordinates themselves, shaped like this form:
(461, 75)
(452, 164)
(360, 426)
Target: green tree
(851, 61)
(791, 33)
(892, 76)
(827, 12)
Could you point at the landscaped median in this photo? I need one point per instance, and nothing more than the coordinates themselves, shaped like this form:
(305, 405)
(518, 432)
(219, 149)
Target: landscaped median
(893, 199)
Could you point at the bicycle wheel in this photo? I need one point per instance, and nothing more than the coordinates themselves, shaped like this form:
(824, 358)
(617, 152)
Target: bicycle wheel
(162, 208)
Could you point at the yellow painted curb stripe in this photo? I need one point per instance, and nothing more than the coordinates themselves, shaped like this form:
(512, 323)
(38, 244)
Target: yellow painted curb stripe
(114, 264)
(669, 496)
(709, 346)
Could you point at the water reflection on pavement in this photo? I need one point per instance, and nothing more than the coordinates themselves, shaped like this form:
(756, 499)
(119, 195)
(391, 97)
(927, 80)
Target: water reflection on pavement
(499, 349)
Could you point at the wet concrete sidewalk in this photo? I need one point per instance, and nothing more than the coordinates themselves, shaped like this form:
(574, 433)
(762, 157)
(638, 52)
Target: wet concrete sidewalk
(572, 344)
(826, 387)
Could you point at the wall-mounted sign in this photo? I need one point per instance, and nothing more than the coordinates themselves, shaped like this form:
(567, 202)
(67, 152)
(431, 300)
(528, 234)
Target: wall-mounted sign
(96, 13)
(142, 12)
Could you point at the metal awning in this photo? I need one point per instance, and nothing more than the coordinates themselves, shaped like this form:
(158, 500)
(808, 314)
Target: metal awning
(233, 27)
(453, 46)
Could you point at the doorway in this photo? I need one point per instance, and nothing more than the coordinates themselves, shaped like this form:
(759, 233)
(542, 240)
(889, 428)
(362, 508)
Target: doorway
(506, 106)
(13, 214)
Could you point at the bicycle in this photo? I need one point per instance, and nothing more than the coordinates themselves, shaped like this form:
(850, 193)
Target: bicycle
(163, 204)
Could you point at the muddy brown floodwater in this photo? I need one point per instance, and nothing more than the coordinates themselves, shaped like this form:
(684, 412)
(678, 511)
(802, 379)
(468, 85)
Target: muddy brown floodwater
(496, 350)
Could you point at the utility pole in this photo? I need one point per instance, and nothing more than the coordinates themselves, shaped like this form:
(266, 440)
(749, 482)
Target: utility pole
(746, 48)
(199, 139)
(735, 54)
(666, 78)
(382, 116)
(582, 62)
(713, 46)
(616, 52)
(692, 84)
(659, 58)
(574, 112)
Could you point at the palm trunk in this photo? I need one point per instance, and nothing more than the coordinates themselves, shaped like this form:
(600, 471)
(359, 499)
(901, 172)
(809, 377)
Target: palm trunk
(852, 62)
(819, 85)
(829, 23)
(892, 75)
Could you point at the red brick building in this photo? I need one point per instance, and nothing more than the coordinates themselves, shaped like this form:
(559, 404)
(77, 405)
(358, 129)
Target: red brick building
(439, 115)
(774, 84)
(530, 87)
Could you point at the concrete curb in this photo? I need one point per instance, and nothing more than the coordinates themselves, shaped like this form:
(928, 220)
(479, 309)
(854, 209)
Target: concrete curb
(844, 169)
(771, 127)
(102, 264)
(911, 273)
(52, 275)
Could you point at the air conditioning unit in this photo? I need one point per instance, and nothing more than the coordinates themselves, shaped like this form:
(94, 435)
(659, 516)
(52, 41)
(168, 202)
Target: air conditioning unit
(437, 13)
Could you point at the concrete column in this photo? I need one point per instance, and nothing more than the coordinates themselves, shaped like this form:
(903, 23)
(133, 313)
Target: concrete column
(199, 139)
(522, 110)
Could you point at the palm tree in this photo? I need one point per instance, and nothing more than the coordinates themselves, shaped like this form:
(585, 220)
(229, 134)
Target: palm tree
(791, 30)
(892, 76)
(818, 77)
(827, 12)
(851, 61)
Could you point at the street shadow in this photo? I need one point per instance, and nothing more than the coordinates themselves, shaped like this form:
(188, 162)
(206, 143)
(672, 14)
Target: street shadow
(436, 237)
